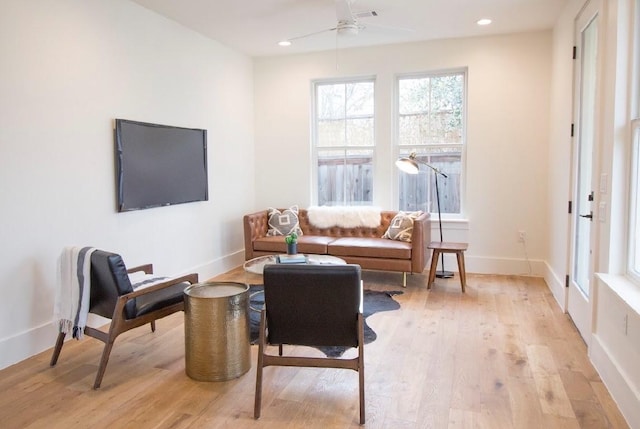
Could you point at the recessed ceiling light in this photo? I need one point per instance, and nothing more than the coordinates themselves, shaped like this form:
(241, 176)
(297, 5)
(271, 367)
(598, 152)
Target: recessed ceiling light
(483, 21)
(284, 43)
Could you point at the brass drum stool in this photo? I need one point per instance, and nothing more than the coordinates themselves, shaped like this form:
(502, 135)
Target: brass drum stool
(216, 330)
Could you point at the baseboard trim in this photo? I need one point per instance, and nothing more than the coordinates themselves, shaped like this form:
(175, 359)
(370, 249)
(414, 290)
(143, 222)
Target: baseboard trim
(615, 379)
(557, 287)
(214, 267)
(494, 265)
(26, 344)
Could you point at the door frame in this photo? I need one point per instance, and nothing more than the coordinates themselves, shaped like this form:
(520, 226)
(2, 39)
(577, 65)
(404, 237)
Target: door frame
(585, 322)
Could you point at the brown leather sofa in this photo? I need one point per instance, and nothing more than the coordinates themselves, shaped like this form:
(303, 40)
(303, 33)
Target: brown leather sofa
(362, 246)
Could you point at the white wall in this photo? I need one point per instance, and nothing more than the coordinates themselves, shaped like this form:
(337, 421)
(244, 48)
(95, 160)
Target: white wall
(68, 69)
(507, 135)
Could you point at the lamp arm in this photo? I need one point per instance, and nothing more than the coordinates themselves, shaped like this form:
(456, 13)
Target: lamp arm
(432, 167)
(414, 158)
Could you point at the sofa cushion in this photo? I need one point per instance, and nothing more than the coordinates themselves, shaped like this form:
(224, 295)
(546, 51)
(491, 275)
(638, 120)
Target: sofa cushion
(283, 223)
(370, 247)
(401, 226)
(316, 244)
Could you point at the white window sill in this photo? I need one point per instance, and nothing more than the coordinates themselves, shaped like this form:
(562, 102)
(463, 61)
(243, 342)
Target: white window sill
(627, 290)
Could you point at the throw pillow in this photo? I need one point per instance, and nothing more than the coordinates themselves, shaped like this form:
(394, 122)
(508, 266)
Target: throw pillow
(285, 222)
(401, 226)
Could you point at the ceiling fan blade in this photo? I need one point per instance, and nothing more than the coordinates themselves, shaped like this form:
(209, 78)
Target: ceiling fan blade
(343, 10)
(365, 14)
(312, 34)
(389, 27)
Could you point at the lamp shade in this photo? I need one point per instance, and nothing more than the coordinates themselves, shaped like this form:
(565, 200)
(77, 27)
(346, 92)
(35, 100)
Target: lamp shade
(408, 165)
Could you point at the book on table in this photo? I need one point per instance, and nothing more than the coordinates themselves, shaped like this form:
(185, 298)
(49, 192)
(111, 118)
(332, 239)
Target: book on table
(292, 259)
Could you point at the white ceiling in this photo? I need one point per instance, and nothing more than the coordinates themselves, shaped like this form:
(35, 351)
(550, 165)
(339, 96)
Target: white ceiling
(255, 27)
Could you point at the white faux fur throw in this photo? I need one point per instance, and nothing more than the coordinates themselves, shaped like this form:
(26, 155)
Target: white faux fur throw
(344, 217)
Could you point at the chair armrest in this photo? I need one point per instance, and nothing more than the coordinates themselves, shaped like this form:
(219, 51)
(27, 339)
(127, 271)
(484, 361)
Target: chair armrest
(147, 268)
(190, 278)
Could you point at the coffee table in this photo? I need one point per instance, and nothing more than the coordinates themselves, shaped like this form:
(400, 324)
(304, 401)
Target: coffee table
(256, 265)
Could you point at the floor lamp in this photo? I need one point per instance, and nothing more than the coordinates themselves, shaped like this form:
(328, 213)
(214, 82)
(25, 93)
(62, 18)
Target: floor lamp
(411, 165)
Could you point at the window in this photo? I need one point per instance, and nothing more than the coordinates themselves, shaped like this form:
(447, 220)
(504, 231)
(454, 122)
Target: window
(430, 122)
(343, 137)
(634, 219)
(633, 260)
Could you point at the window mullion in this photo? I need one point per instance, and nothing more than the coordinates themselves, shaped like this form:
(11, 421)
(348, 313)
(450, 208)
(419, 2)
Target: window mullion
(633, 268)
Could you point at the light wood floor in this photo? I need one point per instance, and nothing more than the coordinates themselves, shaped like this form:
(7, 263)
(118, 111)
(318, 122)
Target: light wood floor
(502, 355)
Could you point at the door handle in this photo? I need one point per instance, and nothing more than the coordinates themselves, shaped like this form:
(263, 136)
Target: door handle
(588, 216)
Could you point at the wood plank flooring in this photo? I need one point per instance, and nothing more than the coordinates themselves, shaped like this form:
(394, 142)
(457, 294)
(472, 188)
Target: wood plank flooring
(502, 355)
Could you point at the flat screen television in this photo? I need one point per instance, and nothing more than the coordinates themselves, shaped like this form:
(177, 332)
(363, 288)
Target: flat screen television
(159, 165)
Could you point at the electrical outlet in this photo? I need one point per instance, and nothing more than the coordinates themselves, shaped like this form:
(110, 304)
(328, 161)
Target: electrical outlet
(522, 236)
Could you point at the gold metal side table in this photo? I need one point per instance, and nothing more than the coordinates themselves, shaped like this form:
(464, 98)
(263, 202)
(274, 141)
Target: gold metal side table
(216, 327)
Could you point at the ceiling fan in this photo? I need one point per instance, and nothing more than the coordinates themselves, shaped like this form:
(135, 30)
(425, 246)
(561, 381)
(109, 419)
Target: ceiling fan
(348, 24)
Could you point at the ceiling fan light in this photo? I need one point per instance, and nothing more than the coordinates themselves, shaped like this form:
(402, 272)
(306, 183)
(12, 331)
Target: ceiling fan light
(484, 21)
(284, 43)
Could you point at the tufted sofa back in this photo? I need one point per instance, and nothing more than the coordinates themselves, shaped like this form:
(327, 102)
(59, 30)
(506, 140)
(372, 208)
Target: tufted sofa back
(258, 225)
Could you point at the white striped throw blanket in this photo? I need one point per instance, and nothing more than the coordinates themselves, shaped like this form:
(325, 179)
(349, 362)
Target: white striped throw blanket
(74, 290)
(141, 280)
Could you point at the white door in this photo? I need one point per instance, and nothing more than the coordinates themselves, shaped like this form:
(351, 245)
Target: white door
(585, 107)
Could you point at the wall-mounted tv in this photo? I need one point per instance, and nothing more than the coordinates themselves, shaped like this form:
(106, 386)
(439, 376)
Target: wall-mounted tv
(159, 165)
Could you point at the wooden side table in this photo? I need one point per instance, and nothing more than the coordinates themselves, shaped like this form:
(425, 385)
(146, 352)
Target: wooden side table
(444, 247)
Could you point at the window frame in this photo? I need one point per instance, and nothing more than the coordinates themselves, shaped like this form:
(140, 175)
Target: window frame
(314, 131)
(634, 213)
(633, 244)
(397, 148)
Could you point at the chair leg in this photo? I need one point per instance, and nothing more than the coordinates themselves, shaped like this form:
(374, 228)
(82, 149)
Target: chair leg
(57, 349)
(153, 326)
(279, 349)
(361, 365)
(258, 399)
(461, 268)
(108, 345)
(433, 268)
(261, 346)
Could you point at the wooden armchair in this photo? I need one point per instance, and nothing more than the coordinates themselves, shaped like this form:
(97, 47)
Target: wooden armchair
(311, 305)
(114, 297)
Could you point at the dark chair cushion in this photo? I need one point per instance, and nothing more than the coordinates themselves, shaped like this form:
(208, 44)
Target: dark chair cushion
(159, 299)
(312, 305)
